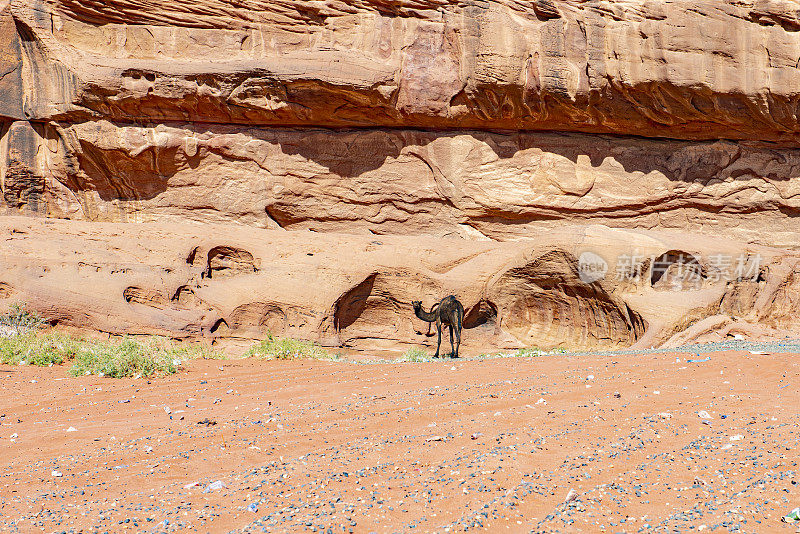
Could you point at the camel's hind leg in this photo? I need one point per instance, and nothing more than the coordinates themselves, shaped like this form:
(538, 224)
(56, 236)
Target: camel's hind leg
(453, 351)
(458, 327)
(438, 337)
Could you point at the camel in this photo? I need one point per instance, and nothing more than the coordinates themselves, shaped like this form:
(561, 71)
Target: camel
(450, 312)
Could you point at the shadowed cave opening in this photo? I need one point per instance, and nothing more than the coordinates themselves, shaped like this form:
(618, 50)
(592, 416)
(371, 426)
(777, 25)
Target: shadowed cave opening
(229, 261)
(260, 316)
(484, 314)
(184, 296)
(677, 269)
(220, 326)
(147, 297)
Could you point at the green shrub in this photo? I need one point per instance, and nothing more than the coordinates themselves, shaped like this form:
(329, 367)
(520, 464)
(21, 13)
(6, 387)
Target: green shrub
(21, 320)
(415, 354)
(519, 353)
(32, 348)
(522, 353)
(287, 349)
(125, 358)
(154, 356)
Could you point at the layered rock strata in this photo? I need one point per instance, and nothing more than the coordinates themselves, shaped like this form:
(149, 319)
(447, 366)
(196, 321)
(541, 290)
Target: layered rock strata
(479, 120)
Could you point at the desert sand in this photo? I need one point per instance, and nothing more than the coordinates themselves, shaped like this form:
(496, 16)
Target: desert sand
(495, 445)
(583, 175)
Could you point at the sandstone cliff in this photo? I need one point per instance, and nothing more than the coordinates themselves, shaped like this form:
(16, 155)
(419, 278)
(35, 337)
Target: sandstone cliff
(234, 283)
(495, 120)
(695, 70)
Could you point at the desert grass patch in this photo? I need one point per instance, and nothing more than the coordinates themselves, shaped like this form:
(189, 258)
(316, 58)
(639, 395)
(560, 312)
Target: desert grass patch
(19, 320)
(527, 352)
(135, 358)
(33, 348)
(128, 357)
(283, 348)
(415, 354)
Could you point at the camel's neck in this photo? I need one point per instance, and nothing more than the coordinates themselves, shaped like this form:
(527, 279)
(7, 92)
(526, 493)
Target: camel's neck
(426, 316)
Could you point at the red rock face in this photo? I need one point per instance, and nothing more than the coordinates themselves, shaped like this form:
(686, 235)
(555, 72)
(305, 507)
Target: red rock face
(720, 69)
(494, 121)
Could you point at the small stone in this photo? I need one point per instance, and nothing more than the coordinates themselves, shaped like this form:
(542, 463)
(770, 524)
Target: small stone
(218, 485)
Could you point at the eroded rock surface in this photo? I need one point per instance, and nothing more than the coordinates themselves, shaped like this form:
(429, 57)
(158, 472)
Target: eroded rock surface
(471, 184)
(483, 121)
(235, 284)
(716, 69)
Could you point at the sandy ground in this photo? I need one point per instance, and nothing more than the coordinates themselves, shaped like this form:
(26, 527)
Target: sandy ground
(493, 445)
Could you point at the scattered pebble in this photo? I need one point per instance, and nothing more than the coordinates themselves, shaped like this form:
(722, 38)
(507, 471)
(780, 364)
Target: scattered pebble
(350, 455)
(214, 486)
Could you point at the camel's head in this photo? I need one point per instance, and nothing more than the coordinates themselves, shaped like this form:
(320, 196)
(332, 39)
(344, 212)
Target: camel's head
(416, 304)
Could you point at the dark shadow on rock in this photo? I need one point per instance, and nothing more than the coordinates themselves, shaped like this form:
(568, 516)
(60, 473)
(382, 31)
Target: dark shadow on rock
(349, 307)
(144, 177)
(678, 160)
